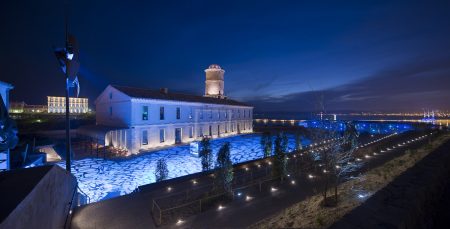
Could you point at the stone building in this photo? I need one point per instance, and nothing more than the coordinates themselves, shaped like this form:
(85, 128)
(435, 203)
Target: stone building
(139, 119)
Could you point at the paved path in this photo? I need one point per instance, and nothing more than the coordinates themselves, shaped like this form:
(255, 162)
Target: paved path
(134, 210)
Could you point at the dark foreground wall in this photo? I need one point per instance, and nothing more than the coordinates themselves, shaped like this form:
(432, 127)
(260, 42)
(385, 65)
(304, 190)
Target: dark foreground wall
(409, 201)
(36, 198)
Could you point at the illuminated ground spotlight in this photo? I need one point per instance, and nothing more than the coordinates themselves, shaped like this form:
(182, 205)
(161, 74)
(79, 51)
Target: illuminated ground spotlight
(259, 166)
(169, 189)
(239, 194)
(338, 167)
(246, 168)
(273, 189)
(180, 221)
(292, 181)
(367, 156)
(194, 182)
(358, 159)
(310, 176)
(220, 207)
(248, 198)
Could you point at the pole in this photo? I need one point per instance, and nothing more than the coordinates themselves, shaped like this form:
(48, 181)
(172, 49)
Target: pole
(68, 151)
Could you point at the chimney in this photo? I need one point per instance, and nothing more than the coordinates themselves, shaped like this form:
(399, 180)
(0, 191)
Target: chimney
(164, 90)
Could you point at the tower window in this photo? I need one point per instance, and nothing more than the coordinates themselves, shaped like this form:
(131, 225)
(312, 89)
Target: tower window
(178, 113)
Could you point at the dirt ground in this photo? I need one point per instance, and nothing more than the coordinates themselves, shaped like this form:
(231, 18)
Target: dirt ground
(310, 214)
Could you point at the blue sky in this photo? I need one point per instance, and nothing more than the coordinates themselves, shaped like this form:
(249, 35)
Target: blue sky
(278, 55)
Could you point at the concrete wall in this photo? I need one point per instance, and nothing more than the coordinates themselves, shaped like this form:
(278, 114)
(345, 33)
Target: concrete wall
(409, 201)
(46, 206)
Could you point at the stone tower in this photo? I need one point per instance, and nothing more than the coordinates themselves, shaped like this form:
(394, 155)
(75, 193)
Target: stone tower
(214, 83)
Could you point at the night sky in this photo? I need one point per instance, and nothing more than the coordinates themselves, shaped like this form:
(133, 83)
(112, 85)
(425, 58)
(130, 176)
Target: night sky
(278, 55)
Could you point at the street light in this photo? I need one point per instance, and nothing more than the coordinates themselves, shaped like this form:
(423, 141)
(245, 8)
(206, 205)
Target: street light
(68, 61)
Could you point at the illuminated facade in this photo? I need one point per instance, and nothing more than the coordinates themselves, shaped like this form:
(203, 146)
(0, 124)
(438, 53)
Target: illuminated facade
(22, 107)
(140, 119)
(58, 105)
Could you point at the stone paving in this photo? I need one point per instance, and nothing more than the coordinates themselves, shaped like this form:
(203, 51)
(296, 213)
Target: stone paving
(102, 179)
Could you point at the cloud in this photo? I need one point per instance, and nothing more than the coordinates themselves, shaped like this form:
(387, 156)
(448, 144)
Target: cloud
(417, 85)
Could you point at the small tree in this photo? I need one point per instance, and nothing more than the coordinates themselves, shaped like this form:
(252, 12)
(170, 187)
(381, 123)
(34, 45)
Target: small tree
(298, 142)
(161, 171)
(342, 156)
(206, 154)
(280, 161)
(266, 144)
(224, 168)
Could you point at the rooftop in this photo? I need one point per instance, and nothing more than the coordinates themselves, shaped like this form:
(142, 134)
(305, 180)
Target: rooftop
(161, 95)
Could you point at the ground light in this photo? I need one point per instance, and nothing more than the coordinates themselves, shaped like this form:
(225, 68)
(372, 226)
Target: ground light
(310, 176)
(292, 181)
(248, 198)
(169, 189)
(272, 189)
(180, 221)
(220, 207)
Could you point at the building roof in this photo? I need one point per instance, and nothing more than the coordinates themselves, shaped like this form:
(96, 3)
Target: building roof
(158, 94)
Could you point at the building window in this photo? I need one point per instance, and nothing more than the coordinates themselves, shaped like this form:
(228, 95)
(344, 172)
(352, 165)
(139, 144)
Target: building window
(239, 113)
(191, 132)
(210, 114)
(145, 113)
(226, 114)
(218, 114)
(162, 135)
(201, 114)
(210, 131)
(190, 114)
(110, 95)
(110, 111)
(161, 113)
(178, 113)
(226, 127)
(144, 138)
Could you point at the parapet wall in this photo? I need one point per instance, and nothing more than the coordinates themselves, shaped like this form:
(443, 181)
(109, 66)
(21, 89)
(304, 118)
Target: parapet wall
(409, 201)
(47, 205)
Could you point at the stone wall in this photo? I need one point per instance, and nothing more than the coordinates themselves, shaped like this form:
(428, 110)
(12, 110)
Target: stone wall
(407, 202)
(47, 205)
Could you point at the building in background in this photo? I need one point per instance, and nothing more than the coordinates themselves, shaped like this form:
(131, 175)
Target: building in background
(139, 119)
(4, 145)
(23, 108)
(57, 104)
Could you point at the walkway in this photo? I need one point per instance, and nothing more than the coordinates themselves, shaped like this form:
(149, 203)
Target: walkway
(134, 210)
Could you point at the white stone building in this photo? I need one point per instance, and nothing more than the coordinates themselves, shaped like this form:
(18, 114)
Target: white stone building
(138, 119)
(4, 106)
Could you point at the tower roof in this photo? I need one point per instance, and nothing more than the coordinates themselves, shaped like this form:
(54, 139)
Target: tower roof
(214, 66)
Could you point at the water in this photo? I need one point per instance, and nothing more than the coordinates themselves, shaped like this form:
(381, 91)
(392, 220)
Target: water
(103, 179)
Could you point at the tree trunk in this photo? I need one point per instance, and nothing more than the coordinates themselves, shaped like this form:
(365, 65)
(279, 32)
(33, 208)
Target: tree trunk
(336, 192)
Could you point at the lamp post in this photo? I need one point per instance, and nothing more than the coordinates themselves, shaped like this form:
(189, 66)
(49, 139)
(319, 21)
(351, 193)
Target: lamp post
(68, 61)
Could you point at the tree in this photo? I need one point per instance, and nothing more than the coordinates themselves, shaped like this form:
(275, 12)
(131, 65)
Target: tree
(298, 142)
(280, 160)
(224, 168)
(266, 144)
(161, 171)
(206, 154)
(341, 161)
